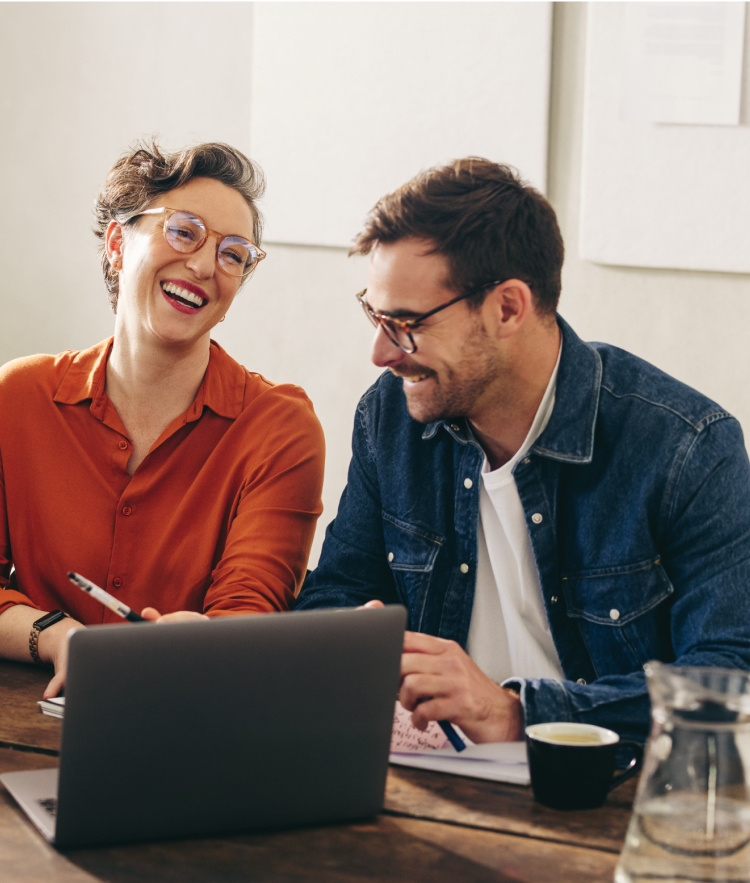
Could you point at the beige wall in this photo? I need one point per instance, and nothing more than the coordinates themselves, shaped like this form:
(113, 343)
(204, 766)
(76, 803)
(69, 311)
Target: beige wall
(68, 108)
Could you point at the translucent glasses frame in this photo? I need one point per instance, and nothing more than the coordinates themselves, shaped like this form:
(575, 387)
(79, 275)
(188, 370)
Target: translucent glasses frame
(186, 233)
(399, 331)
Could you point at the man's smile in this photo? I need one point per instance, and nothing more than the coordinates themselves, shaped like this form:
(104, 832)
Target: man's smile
(412, 378)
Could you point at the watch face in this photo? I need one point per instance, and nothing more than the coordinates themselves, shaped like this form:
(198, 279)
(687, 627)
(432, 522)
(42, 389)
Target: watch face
(48, 620)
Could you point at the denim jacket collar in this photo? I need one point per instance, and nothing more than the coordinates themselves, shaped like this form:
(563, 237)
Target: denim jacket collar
(569, 435)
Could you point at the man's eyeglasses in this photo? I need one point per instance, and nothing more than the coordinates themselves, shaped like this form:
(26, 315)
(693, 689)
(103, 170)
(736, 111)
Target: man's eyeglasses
(399, 331)
(186, 233)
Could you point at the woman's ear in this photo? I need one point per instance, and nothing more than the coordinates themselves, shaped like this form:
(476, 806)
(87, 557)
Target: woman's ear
(113, 241)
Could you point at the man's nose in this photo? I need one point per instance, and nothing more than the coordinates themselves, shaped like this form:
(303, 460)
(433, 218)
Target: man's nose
(384, 352)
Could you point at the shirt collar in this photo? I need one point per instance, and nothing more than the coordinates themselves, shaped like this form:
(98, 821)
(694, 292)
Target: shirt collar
(222, 389)
(569, 434)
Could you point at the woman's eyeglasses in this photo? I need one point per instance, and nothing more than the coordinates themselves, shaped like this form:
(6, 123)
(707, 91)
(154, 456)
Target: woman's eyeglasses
(186, 233)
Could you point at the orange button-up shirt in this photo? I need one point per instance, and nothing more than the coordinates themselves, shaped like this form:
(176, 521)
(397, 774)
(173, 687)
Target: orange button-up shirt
(218, 518)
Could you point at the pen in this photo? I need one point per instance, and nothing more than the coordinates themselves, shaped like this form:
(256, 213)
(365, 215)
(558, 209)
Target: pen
(456, 741)
(108, 600)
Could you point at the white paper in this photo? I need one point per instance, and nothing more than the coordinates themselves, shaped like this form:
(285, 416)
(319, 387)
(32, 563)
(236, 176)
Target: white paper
(683, 63)
(430, 750)
(498, 762)
(655, 195)
(54, 707)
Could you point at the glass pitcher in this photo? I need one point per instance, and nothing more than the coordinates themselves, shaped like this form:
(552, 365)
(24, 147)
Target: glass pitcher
(691, 817)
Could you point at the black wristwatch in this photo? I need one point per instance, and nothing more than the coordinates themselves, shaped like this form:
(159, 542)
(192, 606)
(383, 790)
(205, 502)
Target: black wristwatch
(39, 626)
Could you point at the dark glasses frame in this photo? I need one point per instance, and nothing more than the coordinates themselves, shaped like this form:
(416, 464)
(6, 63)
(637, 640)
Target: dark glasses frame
(220, 237)
(392, 325)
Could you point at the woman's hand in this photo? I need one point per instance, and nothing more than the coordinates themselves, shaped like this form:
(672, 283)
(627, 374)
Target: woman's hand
(153, 615)
(53, 648)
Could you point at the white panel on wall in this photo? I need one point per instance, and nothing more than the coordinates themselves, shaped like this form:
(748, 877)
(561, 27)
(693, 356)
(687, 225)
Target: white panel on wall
(352, 99)
(656, 194)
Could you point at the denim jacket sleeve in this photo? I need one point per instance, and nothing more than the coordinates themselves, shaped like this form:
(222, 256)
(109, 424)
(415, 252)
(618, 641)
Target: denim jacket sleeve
(353, 568)
(700, 615)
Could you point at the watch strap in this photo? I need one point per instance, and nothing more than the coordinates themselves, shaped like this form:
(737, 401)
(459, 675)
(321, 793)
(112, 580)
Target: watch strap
(39, 626)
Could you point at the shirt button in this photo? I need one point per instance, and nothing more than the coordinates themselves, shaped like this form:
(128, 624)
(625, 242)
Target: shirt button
(455, 427)
(537, 518)
(614, 615)
(581, 681)
(553, 599)
(390, 556)
(122, 444)
(464, 568)
(126, 510)
(117, 582)
(468, 483)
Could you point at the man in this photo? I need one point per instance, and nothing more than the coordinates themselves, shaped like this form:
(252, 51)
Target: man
(552, 513)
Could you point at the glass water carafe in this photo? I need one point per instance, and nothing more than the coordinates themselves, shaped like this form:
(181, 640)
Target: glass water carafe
(691, 816)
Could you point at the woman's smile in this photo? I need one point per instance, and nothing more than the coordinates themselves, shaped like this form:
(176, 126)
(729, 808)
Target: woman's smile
(184, 296)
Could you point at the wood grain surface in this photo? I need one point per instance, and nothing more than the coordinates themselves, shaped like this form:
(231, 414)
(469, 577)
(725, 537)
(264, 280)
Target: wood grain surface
(434, 828)
(21, 722)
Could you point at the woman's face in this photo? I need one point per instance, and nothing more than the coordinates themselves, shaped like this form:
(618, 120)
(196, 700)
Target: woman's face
(173, 297)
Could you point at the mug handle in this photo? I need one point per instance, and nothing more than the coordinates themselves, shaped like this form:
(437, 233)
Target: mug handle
(633, 767)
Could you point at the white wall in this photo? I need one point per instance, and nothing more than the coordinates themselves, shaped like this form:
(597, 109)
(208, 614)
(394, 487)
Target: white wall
(71, 102)
(695, 325)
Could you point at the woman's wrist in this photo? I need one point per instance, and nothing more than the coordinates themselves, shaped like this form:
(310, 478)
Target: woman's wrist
(51, 639)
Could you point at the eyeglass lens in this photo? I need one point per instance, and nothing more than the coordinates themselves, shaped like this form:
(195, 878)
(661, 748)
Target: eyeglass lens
(186, 233)
(395, 332)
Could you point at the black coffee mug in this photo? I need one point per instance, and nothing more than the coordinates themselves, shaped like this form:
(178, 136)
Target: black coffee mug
(572, 765)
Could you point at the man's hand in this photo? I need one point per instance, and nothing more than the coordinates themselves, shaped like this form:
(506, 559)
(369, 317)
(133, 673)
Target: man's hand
(439, 681)
(153, 615)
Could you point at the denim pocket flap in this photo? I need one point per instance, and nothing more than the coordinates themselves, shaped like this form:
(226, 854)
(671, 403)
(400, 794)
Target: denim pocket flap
(616, 595)
(408, 547)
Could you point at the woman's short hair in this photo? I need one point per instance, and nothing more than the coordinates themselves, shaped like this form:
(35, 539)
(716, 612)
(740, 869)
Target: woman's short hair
(143, 173)
(488, 222)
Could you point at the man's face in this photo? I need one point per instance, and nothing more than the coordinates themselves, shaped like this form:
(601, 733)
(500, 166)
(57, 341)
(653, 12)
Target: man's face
(457, 365)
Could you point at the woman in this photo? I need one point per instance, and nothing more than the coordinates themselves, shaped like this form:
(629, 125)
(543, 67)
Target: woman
(153, 463)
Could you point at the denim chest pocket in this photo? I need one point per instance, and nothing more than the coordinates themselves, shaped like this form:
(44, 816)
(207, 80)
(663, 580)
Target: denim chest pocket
(411, 552)
(622, 614)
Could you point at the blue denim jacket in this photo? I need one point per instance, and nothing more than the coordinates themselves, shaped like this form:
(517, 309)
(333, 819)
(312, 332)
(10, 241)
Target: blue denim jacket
(637, 500)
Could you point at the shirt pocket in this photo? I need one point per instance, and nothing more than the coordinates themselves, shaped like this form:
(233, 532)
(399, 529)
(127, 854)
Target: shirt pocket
(411, 552)
(622, 614)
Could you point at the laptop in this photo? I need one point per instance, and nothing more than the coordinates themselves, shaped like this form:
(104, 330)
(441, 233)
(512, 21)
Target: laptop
(239, 724)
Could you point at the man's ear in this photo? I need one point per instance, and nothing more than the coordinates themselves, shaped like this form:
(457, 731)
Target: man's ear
(509, 305)
(113, 241)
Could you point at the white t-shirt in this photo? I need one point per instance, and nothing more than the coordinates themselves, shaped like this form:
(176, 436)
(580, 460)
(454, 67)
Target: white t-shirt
(509, 635)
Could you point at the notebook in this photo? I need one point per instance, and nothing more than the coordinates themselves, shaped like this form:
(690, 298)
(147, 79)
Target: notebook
(430, 750)
(238, 724)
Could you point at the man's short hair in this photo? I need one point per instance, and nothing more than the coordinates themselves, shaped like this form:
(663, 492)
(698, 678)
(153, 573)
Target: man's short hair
(145, 172)
(488, 222)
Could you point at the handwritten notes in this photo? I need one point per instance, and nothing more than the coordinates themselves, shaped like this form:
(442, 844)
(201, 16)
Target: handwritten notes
(406, 737)
(430, 750)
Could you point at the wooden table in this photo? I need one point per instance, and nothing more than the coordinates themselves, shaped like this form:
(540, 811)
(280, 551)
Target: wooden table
(434, 827)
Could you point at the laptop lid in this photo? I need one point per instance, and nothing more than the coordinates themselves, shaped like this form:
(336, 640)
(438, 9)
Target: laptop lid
(241, 723)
